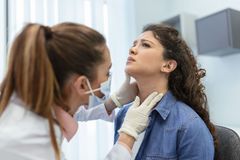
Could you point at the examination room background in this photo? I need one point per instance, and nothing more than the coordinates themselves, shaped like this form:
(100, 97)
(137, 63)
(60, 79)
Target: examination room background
(121, 21)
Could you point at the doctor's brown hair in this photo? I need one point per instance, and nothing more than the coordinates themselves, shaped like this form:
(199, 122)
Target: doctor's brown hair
(185, 81)
(41, 61)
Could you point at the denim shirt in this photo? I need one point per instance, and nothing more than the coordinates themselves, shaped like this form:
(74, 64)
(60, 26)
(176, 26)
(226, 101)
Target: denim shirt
(175, 132)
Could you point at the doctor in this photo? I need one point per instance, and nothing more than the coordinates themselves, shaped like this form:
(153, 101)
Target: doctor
(53, 70)
(97, 107)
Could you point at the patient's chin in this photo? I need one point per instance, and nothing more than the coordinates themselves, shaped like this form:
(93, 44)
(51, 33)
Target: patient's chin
(130, 71)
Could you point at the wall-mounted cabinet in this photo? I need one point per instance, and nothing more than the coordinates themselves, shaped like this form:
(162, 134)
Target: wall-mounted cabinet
(219, 34)
(185, 24)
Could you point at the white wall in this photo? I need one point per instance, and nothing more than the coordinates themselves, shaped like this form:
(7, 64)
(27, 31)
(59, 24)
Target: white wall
(147, 12)
(2, 40)
(120, 38)
(223, 76)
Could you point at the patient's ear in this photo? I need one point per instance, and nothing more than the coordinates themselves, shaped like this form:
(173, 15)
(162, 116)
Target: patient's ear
(169, 66)
(80, 85)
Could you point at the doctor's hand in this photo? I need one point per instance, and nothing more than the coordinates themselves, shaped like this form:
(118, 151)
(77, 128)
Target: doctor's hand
(137, 116)
(126, 93)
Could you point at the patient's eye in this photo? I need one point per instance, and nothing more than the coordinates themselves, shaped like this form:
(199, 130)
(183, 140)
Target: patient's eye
(146, 45)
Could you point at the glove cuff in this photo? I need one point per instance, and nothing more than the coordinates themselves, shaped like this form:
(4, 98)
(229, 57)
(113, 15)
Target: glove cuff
(128, 131)
(115, 100)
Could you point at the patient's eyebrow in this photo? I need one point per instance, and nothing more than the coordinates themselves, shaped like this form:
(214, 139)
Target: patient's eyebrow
(146, 40)
(143, 40)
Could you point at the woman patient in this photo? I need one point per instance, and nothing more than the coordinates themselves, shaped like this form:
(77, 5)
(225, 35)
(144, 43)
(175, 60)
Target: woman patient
(179, 126)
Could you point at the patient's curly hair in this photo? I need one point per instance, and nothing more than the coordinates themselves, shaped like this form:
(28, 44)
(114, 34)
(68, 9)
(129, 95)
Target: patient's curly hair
(185, 80)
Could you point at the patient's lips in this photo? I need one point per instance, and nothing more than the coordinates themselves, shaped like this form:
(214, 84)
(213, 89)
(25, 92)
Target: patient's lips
(130, 59)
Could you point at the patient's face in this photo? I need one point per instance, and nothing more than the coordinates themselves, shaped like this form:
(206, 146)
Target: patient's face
(145, 56)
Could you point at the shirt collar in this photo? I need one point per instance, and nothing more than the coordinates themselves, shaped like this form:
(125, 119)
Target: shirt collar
(165, 105)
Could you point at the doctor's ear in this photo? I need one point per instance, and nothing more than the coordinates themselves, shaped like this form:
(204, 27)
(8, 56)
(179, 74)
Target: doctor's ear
(169, 66)
(80, 85)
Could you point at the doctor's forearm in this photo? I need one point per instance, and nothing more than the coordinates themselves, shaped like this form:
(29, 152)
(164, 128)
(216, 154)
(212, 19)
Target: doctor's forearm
(126, 140)
(109, 105)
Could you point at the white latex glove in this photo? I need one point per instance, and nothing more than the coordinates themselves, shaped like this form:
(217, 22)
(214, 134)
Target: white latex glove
(136, 119)
(126, 93)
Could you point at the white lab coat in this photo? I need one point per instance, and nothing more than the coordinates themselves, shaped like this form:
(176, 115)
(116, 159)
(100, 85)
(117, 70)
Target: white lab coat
(25, 136)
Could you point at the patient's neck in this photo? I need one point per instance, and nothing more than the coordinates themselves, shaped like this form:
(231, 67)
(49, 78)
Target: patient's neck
(147, 85)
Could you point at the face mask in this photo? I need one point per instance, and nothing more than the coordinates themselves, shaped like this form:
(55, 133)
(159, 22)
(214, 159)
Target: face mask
(104, 88)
